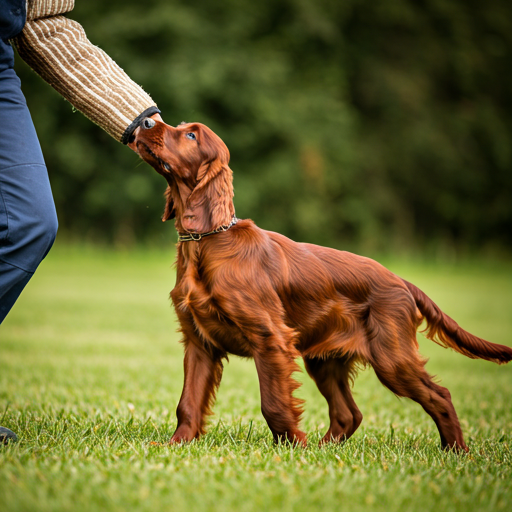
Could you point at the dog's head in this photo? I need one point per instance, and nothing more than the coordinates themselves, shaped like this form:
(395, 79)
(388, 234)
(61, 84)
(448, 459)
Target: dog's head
(190, 157)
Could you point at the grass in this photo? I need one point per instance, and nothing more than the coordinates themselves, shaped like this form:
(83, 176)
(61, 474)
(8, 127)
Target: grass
(91, 372)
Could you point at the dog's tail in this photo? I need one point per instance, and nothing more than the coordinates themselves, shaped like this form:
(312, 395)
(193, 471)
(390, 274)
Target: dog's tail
(445, 331)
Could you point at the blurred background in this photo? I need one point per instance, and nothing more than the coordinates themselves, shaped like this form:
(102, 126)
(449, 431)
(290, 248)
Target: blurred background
(374, 126)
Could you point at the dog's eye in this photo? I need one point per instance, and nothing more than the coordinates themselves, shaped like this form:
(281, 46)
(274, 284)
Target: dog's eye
(191, 135)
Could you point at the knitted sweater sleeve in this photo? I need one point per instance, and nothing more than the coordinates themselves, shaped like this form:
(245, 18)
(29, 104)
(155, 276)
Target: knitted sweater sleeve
(57, 49)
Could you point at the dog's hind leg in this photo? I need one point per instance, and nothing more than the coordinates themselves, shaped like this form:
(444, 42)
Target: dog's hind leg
(404, 374)
(332, 377)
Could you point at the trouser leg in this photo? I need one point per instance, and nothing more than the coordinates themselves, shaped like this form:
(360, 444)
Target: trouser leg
(12, 282)
(28, 221)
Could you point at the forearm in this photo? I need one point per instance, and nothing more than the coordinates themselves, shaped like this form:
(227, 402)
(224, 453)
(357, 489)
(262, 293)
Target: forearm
(59, 51)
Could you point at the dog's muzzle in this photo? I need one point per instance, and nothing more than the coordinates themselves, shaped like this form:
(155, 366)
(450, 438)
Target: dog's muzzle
(147, 123)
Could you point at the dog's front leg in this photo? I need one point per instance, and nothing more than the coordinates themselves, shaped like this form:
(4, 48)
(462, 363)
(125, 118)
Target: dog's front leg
(278, 405)
(203, 372)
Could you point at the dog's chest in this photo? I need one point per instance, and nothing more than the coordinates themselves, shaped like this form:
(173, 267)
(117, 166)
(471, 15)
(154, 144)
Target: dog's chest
(214, 327)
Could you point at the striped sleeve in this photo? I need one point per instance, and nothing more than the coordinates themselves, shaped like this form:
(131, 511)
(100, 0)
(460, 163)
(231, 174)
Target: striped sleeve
(43, 8)
(59, 51)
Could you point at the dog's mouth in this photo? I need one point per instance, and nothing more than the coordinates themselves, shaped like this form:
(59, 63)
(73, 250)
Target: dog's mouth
(147, 150)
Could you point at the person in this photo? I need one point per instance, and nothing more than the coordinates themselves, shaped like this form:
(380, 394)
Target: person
(57, 49)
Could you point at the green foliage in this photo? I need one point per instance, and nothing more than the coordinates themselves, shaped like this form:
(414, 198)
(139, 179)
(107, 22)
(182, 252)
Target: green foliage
(363, 124)
(91, 372)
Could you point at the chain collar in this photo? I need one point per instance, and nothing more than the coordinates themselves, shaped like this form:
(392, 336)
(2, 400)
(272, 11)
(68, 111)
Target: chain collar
(195, 237)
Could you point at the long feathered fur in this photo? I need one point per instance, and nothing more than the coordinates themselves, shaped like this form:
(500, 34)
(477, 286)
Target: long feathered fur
(254, 293)
(446, 332)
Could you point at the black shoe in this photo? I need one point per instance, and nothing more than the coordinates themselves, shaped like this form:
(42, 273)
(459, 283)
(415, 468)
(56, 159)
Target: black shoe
(7, 436)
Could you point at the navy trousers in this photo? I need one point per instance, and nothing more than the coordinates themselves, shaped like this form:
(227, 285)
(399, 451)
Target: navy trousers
(28, 221)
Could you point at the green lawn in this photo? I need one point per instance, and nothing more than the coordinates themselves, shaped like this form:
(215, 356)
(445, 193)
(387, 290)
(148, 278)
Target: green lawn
(91, 373)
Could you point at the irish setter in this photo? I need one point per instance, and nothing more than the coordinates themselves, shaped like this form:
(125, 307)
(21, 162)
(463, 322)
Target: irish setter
(253, 293)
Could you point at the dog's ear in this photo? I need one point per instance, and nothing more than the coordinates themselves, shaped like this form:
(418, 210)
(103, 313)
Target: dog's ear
(169, 212)
(210, 204)
(215, 158)
(206, 173)
(203, 170)
(211, 201)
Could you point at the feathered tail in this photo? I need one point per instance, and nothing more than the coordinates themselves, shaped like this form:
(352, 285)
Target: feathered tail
(447, 333)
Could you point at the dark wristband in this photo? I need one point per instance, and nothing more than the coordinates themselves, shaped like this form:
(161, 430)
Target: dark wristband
(151, 111)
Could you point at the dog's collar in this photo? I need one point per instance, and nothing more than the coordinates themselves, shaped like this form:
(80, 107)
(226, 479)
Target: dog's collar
(195, 237)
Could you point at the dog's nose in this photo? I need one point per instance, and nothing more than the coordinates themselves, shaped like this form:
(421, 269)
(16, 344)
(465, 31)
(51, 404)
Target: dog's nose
(148, 123)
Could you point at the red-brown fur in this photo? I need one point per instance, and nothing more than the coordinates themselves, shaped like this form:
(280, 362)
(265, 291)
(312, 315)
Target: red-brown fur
(255, 293)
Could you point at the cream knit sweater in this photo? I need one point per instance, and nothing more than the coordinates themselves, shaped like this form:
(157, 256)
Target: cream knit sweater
(57, 49)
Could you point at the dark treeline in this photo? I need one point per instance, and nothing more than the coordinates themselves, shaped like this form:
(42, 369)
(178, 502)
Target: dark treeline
(370, 125)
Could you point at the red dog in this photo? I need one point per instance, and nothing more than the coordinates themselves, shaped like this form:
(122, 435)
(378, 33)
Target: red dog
(254, 293)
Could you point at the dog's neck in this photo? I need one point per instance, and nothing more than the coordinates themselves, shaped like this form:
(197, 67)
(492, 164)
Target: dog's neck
(204, 210)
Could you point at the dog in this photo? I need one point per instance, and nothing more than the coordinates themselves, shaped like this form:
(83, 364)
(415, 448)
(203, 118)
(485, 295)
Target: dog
(253, 293)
